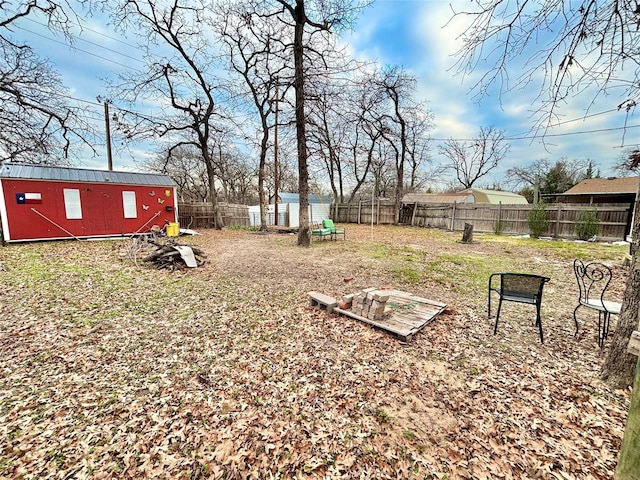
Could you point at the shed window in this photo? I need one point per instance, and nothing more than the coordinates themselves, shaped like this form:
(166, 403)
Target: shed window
(129, 204)
(72, 206)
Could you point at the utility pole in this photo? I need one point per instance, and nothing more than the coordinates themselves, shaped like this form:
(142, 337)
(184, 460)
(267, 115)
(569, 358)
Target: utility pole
(108, 128)
(275, 158)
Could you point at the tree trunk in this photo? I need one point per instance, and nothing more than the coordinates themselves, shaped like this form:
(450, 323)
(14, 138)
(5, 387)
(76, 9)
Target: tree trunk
(619, 367)
(261, 175)
(629, 459)
(218, 222)
(304, 233)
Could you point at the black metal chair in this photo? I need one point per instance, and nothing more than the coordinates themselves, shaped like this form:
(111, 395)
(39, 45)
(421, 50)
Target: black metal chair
(593, 279)
(519, 288)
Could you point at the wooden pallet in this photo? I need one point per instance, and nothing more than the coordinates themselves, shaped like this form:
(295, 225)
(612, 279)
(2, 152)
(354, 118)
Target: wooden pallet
(410, 314)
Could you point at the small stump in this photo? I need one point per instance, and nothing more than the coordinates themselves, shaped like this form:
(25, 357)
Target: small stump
(467, 235)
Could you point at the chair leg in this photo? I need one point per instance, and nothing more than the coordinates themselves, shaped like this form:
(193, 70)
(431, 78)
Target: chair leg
(575, 319)
(495, 328)
(607, 324)
(489, 306)
(539, 323)
(601, 328)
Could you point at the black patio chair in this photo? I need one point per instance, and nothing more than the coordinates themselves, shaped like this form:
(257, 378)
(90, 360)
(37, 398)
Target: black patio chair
(593, 279)
(519, 288)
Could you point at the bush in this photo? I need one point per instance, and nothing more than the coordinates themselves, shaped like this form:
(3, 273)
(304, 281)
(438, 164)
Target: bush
(588, 224)
(538, 220)
(498, 227)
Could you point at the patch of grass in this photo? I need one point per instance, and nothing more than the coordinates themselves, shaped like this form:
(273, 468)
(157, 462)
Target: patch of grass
(563, 248)
(410, 275)
(465, 272)
(242, 228)
(408, 435)
(382, 416)
(380, 251)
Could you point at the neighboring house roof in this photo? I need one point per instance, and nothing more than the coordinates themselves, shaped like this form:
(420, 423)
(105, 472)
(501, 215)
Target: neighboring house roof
(295, 198)
(471, 195)
(495, 197)
(65, 174)
(605, 186)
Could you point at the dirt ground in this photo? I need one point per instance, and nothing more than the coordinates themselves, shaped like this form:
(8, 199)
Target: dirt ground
(110, 369)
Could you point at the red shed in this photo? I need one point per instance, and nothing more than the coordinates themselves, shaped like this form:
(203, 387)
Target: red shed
(39, 202)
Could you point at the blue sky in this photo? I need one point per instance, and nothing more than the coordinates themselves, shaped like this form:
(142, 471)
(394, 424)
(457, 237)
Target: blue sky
(420, 36)
(407, 33)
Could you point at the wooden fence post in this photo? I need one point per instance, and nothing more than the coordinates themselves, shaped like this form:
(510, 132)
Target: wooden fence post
(453, 216)
(413, 215)
(359, 210)
(557, 227)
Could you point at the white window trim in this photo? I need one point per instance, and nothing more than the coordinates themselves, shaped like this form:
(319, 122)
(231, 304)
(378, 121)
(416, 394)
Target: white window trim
(72, 204)
(129, 204)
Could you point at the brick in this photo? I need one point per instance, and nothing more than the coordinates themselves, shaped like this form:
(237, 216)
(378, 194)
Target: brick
(381, 297)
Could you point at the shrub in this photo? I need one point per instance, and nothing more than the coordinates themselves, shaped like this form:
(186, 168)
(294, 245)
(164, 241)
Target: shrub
(498, 227)
(538, 219)
(588, 224)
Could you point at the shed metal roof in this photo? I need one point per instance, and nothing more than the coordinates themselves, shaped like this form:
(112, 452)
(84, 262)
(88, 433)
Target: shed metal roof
(495, 197)
(471, 195)
(66, 174)
(295, 198)
(437, 198)
(605, 186)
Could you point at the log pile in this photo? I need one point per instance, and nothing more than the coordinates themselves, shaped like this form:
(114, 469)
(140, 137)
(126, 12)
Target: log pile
(165, 255)
(369, 303)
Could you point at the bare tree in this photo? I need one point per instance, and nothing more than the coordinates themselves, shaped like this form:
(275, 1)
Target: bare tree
(328, 133)
(185, 77)
(184, 166)
(364, 140)
(590, 48)
(257, 55)
(396, 86)
(473, 160)
(319, 15)
(38, 121)
(420, 122)
(237, 176)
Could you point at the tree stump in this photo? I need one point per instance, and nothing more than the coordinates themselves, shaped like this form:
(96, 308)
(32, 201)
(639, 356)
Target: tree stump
(467, 235)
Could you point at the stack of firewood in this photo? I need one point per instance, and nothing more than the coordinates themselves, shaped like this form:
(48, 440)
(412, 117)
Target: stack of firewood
(369, 303)
(163, 254)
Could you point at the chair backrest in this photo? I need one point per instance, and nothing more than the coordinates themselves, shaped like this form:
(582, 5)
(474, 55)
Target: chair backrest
(522, 285)
(328, 223)
(593, 279)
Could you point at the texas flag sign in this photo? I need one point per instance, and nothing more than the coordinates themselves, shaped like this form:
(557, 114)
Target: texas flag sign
(28, 198)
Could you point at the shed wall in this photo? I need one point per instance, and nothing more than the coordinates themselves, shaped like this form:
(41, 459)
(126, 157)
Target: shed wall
(101, 205)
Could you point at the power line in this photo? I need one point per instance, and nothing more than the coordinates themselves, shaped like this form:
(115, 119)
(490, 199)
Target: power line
(82, 27)
(80, 49)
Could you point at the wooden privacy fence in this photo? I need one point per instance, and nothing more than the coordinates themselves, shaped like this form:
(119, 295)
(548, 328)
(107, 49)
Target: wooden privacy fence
(200, 215)
(615, 219)
(381, 211)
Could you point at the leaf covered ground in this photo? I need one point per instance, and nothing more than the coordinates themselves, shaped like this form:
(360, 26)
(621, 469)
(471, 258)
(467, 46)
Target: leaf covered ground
(110, 369)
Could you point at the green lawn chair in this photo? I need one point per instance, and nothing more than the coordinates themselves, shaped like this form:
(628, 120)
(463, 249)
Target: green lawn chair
(328, 223)
(321, 233)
